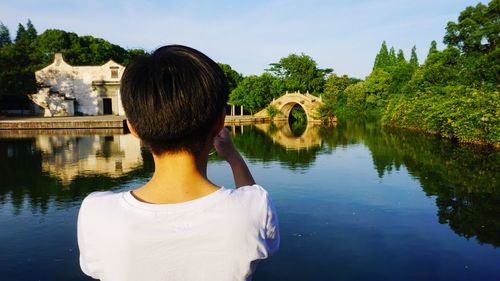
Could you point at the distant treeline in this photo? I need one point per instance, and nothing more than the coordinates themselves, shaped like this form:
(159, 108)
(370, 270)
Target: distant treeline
(454, 93)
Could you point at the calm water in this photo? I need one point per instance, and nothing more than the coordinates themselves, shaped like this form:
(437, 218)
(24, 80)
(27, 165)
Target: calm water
(355, 202)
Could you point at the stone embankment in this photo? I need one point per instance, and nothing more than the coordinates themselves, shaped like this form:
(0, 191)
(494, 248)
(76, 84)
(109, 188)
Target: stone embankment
(81, 122)
(93, 122)
(245, 119)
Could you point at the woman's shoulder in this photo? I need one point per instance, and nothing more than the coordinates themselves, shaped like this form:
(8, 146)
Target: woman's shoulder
(250, 190)
(252, 195)
(100, 198)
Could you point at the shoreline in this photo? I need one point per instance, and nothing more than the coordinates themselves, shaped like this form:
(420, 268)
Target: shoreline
(476, 143)
(105, 124)
(73, 122)
(94, 122)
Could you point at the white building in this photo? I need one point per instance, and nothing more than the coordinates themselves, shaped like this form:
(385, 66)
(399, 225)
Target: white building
(79, 90)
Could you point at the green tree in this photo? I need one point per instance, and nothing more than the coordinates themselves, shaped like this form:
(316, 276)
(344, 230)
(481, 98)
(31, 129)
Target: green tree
(21, 34)
(401, 57)
(300, 73)
(31, 31)
(386, 59)
(382, 58)
(335, 84)
(333, 95)
(401, 72)
(392, 57)
(52, 41)
(17, 64)
(476, 34)
(97, 51)
(233, 77)
(356, 97)
(477, 29)
(84, 50)
(17, 75)
(442, 68)
(414, 58)
(4, 36)
(255, 92)
(377, 87)
(132, 54)
(455, 92)
(432, 49)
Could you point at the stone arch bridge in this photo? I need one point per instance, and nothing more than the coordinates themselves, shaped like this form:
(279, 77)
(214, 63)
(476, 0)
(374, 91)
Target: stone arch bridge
(311, 105)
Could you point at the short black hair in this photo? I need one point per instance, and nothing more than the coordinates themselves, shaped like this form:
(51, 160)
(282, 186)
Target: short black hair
(173, 98)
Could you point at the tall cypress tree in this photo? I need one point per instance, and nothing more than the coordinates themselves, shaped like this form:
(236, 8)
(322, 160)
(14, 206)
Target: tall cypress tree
(31, 31)
(22, 34)
(392, 57)
(401, 56)
(21, 61)
(414, 58)
(433, 48)
(382, 58)
(4, 35)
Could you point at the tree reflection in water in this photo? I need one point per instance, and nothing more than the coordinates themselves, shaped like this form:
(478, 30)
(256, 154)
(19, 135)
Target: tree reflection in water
(65, 169)
(297, 120)
(276, 142)
(463, 179)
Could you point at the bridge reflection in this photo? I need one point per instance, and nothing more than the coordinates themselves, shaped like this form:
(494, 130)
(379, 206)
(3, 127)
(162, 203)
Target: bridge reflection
(464, 181)
(281, 134)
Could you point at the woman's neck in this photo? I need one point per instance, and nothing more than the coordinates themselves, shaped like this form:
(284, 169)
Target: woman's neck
(178, 177)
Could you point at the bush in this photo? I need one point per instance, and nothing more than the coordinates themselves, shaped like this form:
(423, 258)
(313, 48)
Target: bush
(461, 113)
(272, 111)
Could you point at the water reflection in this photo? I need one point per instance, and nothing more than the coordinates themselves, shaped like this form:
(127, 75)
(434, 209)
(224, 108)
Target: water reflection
(463, 180)
(67, 157)
(282, 134)
(63, 169)
(276, 143)
(297, 120)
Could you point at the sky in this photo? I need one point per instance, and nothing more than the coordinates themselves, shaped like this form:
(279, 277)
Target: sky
(249, 35)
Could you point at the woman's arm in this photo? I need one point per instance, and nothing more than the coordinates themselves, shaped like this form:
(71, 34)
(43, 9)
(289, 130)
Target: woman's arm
(225, 148)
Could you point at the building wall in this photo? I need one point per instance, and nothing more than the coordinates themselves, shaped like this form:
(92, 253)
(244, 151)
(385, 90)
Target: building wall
(85, 85)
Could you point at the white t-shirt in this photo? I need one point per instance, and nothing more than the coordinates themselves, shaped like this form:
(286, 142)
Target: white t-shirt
(220, 236)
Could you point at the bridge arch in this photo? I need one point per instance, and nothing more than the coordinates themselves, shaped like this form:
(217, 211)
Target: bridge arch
(311, 105)
(287, 108)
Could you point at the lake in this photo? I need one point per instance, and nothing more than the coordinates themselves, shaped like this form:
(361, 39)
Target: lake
(355, 201)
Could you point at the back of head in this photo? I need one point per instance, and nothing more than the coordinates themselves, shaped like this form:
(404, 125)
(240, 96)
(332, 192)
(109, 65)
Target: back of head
(173, 98)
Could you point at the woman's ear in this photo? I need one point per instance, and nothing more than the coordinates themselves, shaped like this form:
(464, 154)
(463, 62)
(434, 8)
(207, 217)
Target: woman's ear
(132, 130)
